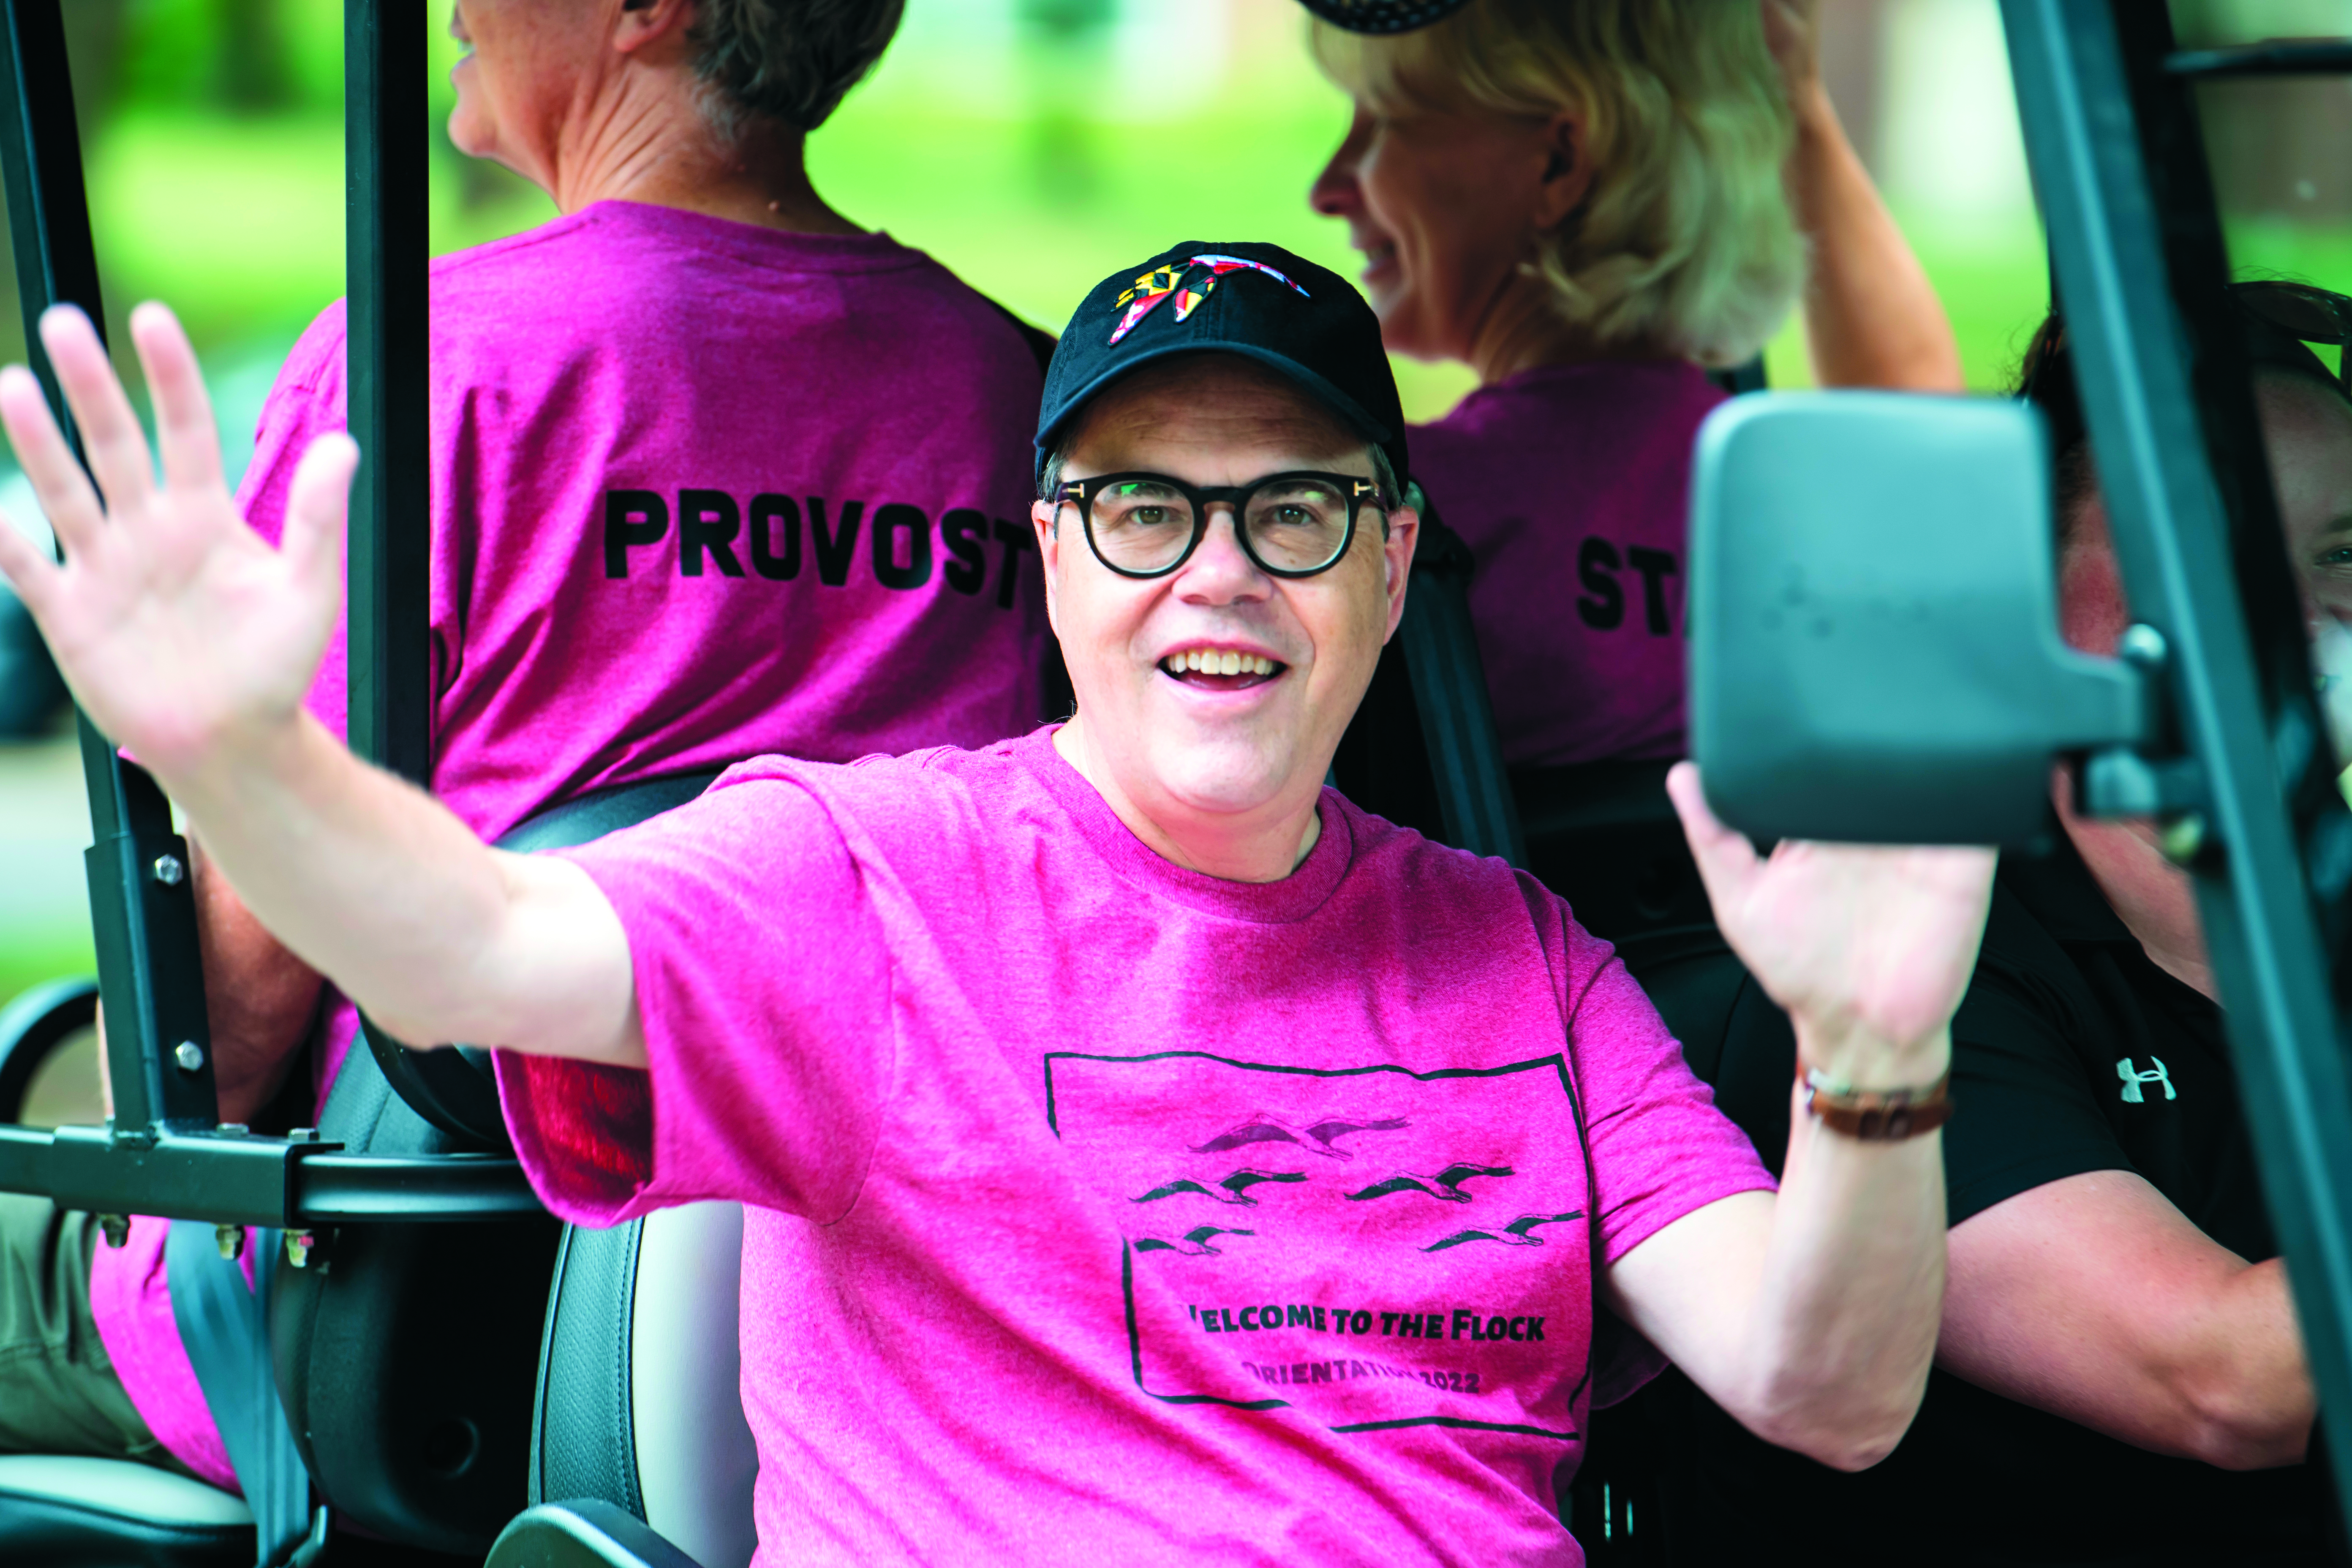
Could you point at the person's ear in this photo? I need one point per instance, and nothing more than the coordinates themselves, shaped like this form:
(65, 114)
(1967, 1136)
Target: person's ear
(1567, 172)
(641, 22)
(1396, 562)
(1049, 553)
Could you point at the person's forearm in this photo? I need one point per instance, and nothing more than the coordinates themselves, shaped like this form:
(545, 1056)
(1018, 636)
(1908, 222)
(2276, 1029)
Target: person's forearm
(1871, 317)
(259, 999)
(1844, 1330)
(377, 885)
(1818, 1307)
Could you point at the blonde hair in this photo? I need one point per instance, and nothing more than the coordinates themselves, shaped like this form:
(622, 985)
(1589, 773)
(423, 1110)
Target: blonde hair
(1685, 240)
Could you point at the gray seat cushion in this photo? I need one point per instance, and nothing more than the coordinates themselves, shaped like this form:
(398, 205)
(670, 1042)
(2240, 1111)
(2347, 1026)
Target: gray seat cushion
(108, 1513)
(696, 1461)
(640, 1403)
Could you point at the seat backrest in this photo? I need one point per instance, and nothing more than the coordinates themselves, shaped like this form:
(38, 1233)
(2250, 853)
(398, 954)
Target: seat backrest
(1422, 750)
(404, 1351)
(1604, 837)
(639, 1392)
(417, 1431)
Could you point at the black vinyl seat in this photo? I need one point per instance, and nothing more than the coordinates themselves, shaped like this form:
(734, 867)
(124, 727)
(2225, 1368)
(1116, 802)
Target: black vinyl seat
(640, 1408)
(1422, 750)
(423, 1436)
(410, 1429)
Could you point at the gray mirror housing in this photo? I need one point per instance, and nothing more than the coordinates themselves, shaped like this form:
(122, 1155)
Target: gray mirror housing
(1875, 653)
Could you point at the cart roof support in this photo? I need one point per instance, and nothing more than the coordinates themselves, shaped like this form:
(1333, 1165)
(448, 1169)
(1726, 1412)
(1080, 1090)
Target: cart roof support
(386, 243)
(163, 1153)
(2120, 163)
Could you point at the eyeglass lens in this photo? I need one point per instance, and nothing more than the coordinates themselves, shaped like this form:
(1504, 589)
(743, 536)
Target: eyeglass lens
(1294, 524)
(2314, 315)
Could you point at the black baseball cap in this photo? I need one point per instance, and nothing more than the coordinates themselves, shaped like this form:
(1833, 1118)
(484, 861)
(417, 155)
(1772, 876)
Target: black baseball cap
(1257, 301)
(1383, 15)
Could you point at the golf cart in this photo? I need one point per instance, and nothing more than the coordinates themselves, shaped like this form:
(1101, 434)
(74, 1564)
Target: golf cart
(403, 1211)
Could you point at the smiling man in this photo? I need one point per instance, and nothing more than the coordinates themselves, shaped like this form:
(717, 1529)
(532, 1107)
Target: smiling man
(1152, 1157)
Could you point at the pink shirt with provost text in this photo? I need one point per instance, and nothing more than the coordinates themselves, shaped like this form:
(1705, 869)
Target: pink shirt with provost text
(700, 492)
(1106, 1212)
(1571, 486)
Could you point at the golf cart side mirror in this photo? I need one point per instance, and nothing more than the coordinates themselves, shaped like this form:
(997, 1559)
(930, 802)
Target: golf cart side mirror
(1875, 653)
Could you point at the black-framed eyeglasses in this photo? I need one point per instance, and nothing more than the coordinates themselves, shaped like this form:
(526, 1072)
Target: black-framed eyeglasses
(2307, 314)
(1290, 524)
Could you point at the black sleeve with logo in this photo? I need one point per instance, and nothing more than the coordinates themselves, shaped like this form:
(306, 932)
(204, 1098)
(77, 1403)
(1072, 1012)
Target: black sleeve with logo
(2072, 1053)
(2024, 1113)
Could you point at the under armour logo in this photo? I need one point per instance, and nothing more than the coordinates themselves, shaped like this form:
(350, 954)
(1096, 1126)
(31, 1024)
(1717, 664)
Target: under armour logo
(2132, 1081)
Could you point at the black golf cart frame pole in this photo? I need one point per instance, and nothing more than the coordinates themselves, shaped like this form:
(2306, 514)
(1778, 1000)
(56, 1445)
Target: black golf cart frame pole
(386, 243)
(143, 909)
(163, 1153)
(2119, 165)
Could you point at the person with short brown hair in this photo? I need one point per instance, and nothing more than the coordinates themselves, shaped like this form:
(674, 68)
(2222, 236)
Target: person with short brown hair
(2120, 1380)
(1149, 1156)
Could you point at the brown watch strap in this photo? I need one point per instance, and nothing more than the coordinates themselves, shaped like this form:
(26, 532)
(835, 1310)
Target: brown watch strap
(1876, 1115)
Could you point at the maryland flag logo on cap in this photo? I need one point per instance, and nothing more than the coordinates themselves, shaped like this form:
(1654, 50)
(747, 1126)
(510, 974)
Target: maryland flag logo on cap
(1190, 283)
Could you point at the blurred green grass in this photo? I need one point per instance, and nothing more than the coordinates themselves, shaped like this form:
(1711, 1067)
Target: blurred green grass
(234, 215)
(28, 961)
(238, 220)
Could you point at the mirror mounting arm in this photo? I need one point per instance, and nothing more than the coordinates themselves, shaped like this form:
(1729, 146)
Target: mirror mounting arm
(2117, 781)
(2151, 776)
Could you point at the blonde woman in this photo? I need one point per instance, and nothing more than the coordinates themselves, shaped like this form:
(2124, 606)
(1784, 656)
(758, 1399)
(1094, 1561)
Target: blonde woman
(1591, 206)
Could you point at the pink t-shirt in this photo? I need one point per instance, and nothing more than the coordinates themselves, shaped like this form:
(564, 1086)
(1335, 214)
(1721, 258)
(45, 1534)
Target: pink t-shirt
(700, 492)
(1571, 486)
(1106, 1212)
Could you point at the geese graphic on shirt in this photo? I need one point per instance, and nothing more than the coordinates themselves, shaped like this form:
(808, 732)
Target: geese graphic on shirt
(1520, 1232)
(1318, 1137)
(1234, 1189)
(1445, 1186)
(1194, 1243)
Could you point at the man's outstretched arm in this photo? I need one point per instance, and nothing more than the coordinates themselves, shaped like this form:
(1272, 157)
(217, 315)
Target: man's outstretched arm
(1811, 1315)
(190, 641)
